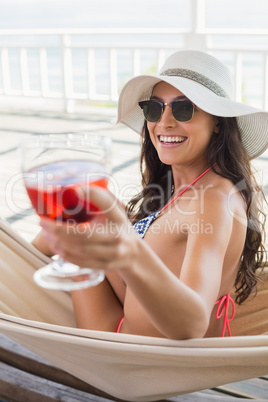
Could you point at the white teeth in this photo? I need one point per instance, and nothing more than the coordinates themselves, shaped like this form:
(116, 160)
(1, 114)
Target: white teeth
(165, 139)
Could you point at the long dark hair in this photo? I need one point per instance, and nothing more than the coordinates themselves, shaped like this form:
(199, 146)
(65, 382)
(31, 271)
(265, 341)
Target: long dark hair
(227, 151)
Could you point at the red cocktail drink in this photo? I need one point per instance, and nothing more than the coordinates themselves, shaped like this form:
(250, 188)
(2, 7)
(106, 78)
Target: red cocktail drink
(56, 189)
(58, 172)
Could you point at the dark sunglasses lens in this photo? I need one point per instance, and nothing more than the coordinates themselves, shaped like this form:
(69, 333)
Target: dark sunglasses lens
(182, 110)
(152, 110)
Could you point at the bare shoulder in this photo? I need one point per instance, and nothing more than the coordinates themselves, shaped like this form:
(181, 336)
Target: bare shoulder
(220, 202)
(214, 252)
(221, 194)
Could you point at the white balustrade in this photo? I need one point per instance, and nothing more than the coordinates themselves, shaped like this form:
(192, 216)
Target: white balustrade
(67, 43)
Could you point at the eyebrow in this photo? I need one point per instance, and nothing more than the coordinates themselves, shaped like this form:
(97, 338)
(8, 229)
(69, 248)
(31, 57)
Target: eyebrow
(177, 98)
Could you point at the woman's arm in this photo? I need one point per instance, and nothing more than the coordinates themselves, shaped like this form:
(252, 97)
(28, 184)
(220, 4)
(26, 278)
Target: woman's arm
(42, 244)
(178, 307)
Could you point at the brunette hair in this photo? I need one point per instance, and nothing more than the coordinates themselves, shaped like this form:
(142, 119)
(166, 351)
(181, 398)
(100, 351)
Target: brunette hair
(227, 151)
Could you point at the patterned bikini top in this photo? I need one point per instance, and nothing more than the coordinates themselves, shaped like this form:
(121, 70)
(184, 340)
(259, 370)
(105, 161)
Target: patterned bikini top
(143, 225)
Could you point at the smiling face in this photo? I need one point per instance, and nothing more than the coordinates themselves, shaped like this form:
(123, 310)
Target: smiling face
(177, 142)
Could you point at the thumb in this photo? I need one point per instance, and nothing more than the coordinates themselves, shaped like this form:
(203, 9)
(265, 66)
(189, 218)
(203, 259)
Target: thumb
(105, 202)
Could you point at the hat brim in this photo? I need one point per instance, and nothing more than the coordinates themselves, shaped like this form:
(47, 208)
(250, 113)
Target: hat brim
(253, 122)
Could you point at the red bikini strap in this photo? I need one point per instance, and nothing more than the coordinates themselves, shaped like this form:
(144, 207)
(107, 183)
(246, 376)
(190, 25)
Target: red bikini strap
(185, 189)
(223, 308)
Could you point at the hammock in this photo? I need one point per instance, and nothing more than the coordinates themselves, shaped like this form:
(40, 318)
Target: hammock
(129, 367)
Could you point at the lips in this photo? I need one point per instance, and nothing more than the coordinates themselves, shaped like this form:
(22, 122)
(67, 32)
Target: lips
(171, 139)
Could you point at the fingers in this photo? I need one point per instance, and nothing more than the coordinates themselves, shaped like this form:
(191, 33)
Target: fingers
(106, 202)
(96, 245)
(102, 231)
(101, 243)
(99, 257)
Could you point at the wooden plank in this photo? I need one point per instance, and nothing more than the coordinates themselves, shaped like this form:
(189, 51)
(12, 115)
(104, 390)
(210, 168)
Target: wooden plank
(207, 397)
(230, 393)
(17, 385)
(254, 388)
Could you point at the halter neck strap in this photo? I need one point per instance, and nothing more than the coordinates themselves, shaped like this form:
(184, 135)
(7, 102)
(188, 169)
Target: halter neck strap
(185, 189)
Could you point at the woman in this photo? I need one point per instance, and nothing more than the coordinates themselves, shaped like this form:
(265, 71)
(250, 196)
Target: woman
(198, 229)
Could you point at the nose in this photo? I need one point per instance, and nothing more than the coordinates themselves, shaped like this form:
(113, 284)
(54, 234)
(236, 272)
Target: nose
(167, 118)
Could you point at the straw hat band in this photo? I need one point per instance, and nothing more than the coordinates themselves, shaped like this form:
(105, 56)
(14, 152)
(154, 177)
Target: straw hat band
(197, 77)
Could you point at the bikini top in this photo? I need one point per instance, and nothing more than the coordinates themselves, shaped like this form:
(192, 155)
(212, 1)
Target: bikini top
(224, 302)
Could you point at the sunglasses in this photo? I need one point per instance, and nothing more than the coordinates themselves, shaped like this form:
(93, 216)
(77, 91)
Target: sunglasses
(182, 109)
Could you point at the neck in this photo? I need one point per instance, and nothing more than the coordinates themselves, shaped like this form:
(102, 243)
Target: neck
(184, 175)
(182, 191)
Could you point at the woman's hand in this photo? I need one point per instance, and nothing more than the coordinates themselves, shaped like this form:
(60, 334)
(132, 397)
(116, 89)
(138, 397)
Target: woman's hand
(107, 242)
(41, 243)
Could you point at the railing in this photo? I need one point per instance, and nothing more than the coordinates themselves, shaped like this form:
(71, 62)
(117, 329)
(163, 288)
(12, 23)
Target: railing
(65, 45)
(77, 65)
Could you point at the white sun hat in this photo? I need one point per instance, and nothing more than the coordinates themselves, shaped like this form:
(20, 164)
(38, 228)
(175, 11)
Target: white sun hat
(208, 84)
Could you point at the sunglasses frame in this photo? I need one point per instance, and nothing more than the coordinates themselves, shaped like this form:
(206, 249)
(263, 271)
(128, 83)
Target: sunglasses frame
(163, 104)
